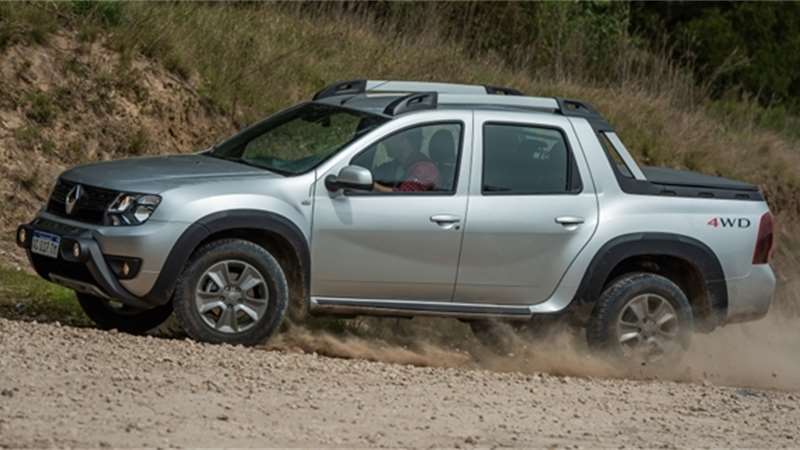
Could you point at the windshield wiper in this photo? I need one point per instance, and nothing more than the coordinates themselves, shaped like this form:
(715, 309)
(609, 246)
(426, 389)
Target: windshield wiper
(251, 164)
(262, 166)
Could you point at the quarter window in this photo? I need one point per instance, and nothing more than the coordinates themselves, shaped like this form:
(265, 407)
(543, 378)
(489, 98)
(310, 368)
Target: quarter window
(523, 159)
(616, 158)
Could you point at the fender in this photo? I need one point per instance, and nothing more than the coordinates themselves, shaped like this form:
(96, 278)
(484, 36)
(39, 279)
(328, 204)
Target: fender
(223, 221)
(656, 244)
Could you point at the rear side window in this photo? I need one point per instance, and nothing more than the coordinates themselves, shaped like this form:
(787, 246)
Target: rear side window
(524, 159)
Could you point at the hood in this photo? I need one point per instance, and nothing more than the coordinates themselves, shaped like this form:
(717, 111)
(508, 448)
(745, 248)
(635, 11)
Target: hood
(155, 174)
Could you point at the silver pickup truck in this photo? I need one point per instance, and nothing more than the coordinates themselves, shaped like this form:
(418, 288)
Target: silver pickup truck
(410, 199)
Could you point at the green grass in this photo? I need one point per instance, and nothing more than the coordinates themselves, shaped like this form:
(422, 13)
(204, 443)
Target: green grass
(41, 107)
(23, 23)
(27, 297)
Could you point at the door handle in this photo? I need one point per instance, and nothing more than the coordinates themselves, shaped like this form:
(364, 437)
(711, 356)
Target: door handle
(446, 220)
(570, 220)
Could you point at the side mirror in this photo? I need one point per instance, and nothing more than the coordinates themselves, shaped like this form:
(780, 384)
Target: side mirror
(350, 177)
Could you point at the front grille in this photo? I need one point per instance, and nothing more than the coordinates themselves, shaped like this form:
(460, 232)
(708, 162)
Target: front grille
(90, 207)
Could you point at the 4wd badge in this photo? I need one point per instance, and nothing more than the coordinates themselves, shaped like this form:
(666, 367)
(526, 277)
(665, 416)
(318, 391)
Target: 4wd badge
(729, 222)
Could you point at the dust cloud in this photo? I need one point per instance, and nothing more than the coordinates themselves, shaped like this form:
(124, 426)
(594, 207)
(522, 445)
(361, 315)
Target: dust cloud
(328, 344)
(763, 354)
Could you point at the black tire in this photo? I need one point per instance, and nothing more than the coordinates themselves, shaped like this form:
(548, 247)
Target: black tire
(602, 330)
(108, 316)
(231, 249)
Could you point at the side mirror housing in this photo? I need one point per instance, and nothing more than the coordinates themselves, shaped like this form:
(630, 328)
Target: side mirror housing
(350, 177)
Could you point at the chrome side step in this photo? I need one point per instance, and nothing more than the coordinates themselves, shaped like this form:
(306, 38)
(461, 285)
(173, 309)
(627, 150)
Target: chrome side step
(411, 308)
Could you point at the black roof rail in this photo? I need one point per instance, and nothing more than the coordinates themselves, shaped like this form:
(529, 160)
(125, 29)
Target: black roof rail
(577, 108)
(351, 87)
(412, 102)
(499, 90)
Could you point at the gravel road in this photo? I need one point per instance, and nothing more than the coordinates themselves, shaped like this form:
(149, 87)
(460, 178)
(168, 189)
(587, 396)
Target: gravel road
(75, 387)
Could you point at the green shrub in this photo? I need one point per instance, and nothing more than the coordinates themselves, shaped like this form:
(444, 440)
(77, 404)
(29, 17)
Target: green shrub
(40, 107)
(28, 137)
(27, 22)
(107, 12)
(136, 141)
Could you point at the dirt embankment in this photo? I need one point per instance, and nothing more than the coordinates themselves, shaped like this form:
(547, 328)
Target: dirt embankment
(82, 387)
(70, 102)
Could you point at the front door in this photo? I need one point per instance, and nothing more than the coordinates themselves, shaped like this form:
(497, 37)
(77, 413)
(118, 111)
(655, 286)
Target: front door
(401, 240)
(532, 209)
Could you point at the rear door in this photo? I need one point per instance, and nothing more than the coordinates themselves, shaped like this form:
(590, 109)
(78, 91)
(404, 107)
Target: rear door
(532, 208)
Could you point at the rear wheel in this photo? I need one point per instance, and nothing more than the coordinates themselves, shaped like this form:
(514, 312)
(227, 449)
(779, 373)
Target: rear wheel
(110, 314)
(231, 291)
(641, 318)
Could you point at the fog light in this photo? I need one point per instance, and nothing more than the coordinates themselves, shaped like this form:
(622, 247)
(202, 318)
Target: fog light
(23, 235)
(76, 250)
(124, 268)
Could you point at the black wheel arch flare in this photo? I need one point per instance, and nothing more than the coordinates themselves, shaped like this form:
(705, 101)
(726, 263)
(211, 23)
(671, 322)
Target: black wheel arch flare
(197, 232)
(679, 246)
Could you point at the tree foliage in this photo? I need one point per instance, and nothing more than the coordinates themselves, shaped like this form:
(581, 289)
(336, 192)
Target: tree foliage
(747, 47)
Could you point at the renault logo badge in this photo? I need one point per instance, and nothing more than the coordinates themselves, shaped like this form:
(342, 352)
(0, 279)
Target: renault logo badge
(72, 198)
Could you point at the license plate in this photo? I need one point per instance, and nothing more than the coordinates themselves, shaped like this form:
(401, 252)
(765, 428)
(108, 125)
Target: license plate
(45, 244)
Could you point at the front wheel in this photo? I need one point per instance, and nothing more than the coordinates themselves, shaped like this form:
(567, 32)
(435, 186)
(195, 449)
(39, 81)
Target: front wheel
(641, 318)
(109, 314)
(232, 291)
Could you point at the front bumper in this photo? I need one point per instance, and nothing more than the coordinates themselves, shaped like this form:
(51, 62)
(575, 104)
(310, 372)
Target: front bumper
(86, 270)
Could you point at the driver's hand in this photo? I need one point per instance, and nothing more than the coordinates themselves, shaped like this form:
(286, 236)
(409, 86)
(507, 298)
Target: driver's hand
(381, 187)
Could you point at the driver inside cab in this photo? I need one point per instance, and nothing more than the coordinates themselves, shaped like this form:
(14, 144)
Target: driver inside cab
(418, 173)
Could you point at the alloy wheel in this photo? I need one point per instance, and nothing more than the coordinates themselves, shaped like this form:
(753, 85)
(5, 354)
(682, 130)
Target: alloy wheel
(231, 296)
(648, 328)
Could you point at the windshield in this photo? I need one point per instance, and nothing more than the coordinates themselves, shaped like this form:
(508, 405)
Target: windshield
(297, 140)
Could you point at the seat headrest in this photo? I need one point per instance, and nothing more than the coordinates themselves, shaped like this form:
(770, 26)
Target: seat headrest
(442, 147)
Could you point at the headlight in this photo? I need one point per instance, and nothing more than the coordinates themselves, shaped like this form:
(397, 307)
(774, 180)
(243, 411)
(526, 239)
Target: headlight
(132, 209)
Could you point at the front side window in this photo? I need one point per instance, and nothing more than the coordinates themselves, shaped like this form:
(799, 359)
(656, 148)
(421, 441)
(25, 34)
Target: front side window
(298, 139)
(523, 159)
(419, 159)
